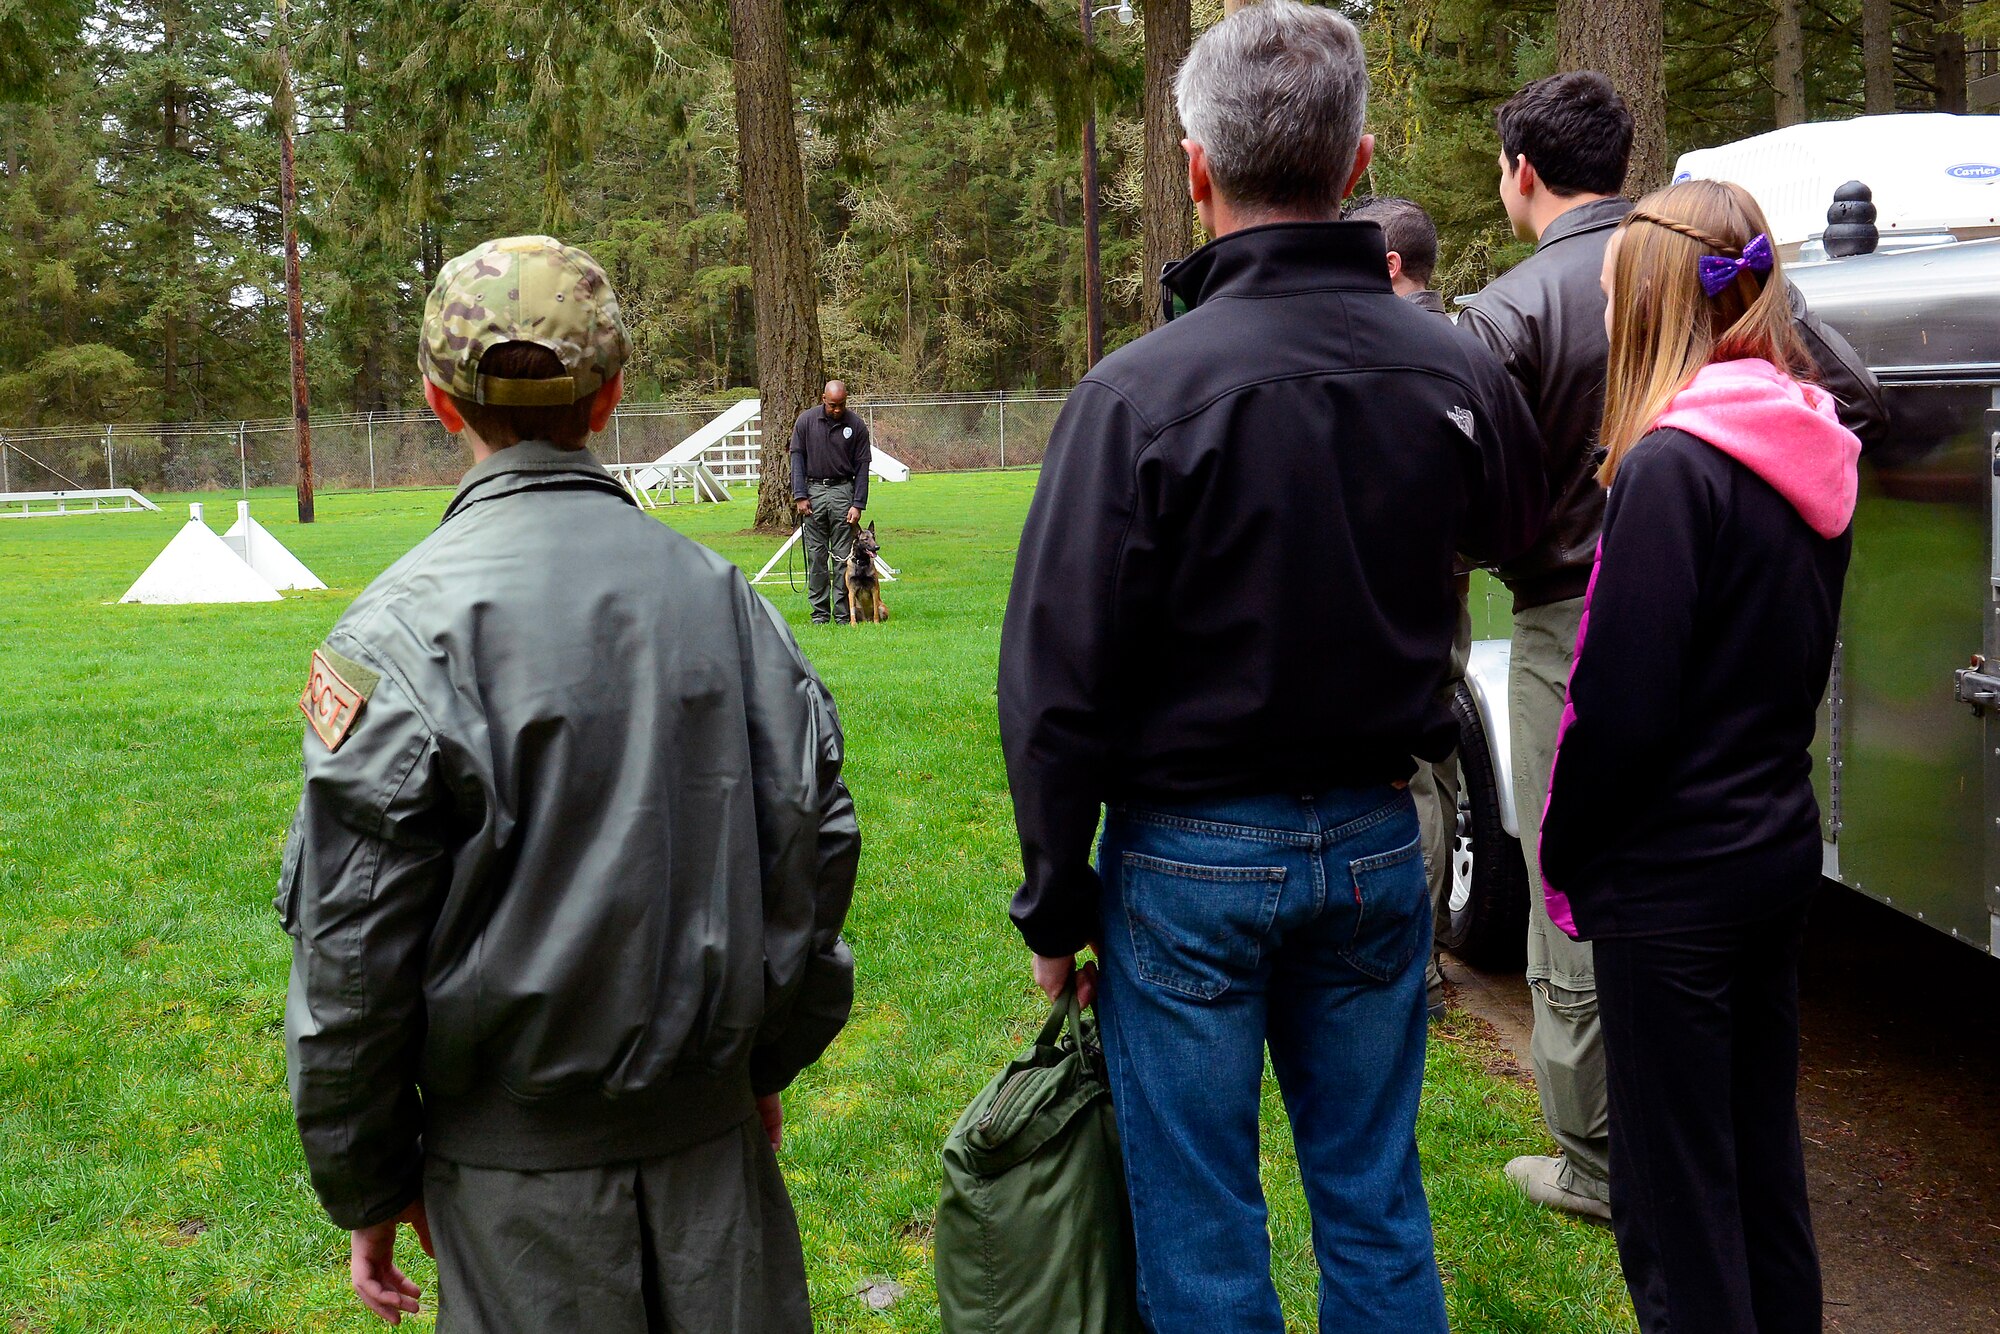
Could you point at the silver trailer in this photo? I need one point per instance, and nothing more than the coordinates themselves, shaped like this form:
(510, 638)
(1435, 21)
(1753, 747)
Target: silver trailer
(1909, 739)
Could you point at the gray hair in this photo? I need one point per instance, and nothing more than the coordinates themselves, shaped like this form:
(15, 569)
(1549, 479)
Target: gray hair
(1275, 94)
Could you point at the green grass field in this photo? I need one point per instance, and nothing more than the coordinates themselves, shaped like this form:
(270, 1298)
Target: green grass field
(150, 1178)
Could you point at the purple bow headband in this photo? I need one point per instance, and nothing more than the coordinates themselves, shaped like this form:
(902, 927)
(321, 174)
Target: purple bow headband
(1718, 271)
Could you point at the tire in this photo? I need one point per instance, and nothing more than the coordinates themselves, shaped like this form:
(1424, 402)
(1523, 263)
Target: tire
(1485, 921)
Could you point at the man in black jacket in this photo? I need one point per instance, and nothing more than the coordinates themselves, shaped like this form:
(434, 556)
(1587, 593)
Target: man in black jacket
(1231, 615)
(831, 451)
(1412, 240)
(1565, 143)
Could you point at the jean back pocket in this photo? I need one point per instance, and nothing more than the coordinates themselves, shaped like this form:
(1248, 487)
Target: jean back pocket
(1197, 929)
(1391, 898)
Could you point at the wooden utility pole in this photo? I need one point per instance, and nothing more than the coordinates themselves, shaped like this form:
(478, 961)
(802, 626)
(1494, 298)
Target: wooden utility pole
(288, 205)
(784, 290)
(1093, 278)
(1167, 222)
(1625, 40)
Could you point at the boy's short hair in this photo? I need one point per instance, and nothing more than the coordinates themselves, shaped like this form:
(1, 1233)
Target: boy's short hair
(566, 426)
(1408, 230)
(1575, 128)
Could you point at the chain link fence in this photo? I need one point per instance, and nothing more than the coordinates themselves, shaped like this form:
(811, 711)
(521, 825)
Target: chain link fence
(356, 451)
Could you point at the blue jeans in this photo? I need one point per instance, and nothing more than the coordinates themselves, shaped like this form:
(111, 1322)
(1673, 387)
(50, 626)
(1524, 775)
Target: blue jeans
(1301, 922)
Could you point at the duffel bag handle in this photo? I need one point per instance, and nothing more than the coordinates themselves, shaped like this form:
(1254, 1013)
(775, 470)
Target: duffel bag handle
(1064, 1010)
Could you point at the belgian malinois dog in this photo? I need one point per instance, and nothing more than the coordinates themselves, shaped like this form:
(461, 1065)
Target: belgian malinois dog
(864, 585)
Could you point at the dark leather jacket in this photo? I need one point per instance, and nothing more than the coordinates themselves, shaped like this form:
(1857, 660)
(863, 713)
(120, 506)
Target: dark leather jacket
(1544, 319)
(576, 867)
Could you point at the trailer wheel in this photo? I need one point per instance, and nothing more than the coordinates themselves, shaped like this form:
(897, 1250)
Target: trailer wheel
(1486, 917)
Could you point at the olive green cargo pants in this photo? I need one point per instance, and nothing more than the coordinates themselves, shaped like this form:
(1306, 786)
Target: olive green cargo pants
(1567, 1049)
(1435, 787)
(702, 1241)
(828, 534)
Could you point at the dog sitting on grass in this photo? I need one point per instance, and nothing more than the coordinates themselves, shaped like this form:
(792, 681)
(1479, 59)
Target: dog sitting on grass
(864, 584)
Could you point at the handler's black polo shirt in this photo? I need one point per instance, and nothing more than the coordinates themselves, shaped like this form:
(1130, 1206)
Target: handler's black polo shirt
(825, 449)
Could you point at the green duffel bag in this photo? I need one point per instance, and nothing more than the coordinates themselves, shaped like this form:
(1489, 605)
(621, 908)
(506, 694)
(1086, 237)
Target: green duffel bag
(1034, 1233)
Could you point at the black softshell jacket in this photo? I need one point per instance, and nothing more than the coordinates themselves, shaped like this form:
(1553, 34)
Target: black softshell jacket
(1236, 576)
(569, 890)
(1683, 791)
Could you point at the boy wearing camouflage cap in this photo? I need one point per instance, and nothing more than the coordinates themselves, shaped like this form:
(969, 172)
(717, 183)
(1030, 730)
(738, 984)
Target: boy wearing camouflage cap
(566, 883)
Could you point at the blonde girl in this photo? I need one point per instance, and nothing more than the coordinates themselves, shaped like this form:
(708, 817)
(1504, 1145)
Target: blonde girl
(1682, 834)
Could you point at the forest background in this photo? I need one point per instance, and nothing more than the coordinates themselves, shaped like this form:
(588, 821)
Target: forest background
(141, 244)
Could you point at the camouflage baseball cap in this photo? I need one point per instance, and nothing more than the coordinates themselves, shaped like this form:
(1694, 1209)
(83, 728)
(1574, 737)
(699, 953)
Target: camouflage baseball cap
(525, 289)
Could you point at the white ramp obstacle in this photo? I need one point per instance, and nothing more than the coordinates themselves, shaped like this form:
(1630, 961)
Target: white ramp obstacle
(266, 554)
(198, 566)
(684, 463)
(58, 504)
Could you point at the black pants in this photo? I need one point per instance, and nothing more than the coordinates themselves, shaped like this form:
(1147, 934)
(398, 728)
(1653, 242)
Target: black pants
(1708, 1182)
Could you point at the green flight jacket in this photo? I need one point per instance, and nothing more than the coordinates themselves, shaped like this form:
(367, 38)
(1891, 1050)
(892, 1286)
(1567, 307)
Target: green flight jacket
(566, 883)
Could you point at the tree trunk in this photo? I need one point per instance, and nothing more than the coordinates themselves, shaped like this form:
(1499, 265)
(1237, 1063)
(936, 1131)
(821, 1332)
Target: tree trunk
(1788, 63)
(783, 289)
(1093, 276)
(1878, 56)
(1167, 227)
(1948, 54)
(1625, 40)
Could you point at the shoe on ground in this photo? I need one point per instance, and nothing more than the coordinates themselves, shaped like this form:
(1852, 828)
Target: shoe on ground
(1539, 1177)
(820, 620)
(1434, 1002)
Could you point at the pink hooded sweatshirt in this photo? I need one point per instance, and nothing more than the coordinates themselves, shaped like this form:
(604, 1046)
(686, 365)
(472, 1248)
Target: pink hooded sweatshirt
(1784, 430)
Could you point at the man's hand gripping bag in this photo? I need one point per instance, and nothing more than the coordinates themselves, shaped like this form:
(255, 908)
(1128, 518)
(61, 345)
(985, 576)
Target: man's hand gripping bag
(1034, 1234)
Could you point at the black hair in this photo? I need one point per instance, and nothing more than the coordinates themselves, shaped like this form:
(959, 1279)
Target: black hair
(1575, 128)
(1408, 230)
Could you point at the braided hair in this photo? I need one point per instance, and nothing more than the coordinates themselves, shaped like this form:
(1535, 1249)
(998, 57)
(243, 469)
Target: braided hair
(1666, 324)
(1691, 232)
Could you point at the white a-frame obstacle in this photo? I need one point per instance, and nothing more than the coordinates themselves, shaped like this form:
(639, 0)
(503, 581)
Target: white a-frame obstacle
(249, 565)
(266, 554)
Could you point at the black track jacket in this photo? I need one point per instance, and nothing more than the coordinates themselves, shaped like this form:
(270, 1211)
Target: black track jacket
(1236, 576)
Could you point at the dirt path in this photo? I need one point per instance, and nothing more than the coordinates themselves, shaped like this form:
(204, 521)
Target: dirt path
(1899, 1096)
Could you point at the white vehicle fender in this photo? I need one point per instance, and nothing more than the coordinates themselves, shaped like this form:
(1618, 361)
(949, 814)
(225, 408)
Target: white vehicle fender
(1486, 681)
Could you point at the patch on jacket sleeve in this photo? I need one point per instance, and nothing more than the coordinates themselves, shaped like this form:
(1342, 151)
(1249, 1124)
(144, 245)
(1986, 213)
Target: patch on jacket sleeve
(336, 690)
(1462, 419)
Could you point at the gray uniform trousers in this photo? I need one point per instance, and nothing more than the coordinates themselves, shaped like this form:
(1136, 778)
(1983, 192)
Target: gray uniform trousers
(1436, 787)
(828, 533)
(702, 1241)
(1567, 1049)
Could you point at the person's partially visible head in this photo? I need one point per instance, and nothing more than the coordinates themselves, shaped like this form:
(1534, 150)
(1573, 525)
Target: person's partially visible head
(1663, 322)
(1565, 136)
(522, 340)
(834, 398)
(1272, 99)
(1411, 237)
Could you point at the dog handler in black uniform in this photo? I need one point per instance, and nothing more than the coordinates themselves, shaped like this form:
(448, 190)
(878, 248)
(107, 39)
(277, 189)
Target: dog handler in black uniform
(830, 449)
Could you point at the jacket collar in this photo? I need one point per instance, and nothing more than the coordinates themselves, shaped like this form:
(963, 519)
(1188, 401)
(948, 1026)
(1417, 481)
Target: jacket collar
(1280, 258)
(527, 464)
(1592, 217)
(1428, 300)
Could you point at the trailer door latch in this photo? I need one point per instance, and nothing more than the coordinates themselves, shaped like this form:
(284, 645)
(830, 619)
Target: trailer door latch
(1975, 686)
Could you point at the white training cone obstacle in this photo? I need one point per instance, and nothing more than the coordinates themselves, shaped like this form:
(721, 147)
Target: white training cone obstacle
(266, 554)
(198, 566)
